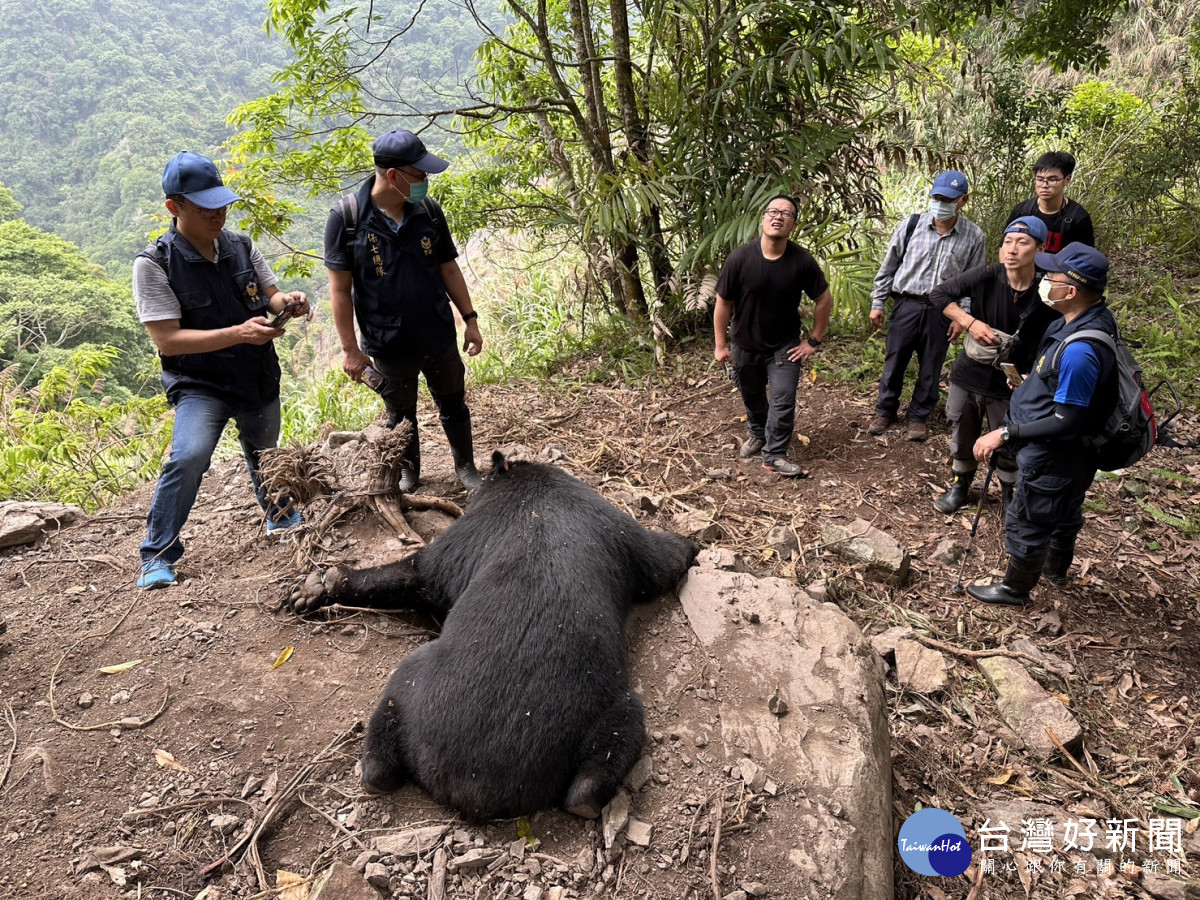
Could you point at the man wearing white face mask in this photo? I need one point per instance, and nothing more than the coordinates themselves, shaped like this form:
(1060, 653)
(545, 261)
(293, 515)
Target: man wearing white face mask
(925, 250)
(1050, 413)
(393, 266)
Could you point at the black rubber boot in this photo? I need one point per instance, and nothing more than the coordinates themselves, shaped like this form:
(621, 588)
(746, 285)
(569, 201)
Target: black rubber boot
(1019, 580)
(463, 451)
(956, 497)
(1058, 561)
(1006, 495)
(410, 469)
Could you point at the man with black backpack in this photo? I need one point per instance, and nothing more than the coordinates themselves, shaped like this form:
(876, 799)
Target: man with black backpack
(393, 266)
(1050, 418)
(1067, 222)
(925, 250)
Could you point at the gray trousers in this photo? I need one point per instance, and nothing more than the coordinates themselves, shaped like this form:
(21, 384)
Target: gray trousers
(768, 382)
(966, 411)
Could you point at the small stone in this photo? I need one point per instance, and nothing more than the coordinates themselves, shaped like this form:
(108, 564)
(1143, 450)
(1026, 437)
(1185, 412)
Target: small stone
(86, 701)
(363, 859)
(777, 705)
(224, 825)
(118, 698)
(701, 740)
(736, 895)
(475, 858)
(615, 816)
(754, 888)
(639, 774)
(639, 832)
(754, 776)
(533, 892)
(377, 876)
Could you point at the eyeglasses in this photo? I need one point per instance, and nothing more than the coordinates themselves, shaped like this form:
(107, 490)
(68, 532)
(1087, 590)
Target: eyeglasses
(783, 214)
(412, 178)
(1049, 180)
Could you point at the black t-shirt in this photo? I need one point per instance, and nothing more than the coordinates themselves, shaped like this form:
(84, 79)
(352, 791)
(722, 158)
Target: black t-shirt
(995, 303)
(765, 294)
(1070, 224)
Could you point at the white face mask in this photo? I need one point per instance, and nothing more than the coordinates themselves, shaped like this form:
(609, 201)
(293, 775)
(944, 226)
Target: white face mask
(1044, 288)
(943, 209)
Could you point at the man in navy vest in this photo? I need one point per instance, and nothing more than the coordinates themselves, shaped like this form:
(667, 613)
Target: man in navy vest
(205, 295)
(1047, 418)
(395, 270)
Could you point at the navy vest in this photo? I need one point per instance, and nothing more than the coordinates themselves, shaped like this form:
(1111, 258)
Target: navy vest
(215, 296)
(1034, 399)
(400, 299)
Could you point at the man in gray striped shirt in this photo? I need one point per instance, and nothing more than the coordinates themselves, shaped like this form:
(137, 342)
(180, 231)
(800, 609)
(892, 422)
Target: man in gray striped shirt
(925, 250)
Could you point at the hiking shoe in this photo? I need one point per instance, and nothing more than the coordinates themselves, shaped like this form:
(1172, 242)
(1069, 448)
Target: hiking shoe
(917, 431)
(752, 447)
(281, 526)
(158, 573)
(784, 467)
(879, 425)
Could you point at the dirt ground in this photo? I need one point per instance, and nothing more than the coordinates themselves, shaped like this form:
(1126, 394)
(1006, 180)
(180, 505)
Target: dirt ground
(227, 752)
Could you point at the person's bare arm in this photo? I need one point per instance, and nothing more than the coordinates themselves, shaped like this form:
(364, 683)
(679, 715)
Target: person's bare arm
(342, 306)
(460, 296)
(722, 316)
(171, 340)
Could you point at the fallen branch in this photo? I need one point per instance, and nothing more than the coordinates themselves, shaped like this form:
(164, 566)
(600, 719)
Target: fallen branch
(982, 654)
(11, 721)
(712, 859)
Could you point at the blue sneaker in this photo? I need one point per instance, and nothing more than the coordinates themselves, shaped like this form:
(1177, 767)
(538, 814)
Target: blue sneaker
(284, 525)
(158, 573)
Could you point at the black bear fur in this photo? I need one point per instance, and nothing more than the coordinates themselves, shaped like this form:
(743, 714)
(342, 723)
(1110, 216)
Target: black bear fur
(523, 702)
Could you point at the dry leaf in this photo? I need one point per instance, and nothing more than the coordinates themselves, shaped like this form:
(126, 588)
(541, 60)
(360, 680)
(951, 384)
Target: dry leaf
(290, 885)
(167, 761)
(1002, 778)
(283, 657)
(119, 667)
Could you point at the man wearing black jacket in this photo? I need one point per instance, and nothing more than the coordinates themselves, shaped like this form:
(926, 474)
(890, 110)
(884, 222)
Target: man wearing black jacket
(1050, 413)
(1067, 222)
(1006, 320)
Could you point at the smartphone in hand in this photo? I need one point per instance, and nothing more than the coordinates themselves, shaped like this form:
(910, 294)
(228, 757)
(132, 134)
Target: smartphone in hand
(288, 312)
(1010, 370)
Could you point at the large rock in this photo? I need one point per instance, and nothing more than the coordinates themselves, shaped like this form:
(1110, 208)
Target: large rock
(411, 841)
(860, 541)
(832, 747)
(23, 523)
(1028, 709)
(343, 883)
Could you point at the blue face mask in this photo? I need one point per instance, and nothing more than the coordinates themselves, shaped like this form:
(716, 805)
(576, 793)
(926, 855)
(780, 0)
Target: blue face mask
(417, 192)
(943, 209)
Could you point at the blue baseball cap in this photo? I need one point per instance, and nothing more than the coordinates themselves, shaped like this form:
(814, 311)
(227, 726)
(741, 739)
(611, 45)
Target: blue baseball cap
(1084, 265)
(1030, 225)
(400, 148)
(951, 184)
(195, 177)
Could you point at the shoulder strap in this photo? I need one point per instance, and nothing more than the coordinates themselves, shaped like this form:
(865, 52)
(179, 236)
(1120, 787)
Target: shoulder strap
(348, 207)
(1026, 208)
(432, 209)
(158, 253)
(908, 233)
(1085, 334)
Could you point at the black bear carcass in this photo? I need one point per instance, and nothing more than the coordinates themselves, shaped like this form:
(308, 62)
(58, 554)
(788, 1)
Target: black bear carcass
(523, 702)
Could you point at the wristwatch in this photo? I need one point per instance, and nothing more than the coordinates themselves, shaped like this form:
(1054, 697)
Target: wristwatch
(467, 317)
(813, 341)
(1004, 434)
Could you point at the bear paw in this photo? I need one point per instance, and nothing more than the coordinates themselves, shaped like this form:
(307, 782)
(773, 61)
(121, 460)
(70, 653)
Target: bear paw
(319, 588)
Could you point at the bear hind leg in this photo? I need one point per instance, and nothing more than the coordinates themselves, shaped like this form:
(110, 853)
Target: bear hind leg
(610, 749)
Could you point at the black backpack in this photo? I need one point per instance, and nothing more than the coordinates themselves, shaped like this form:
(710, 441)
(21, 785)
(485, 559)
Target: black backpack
(1129, 431)
(347, 205)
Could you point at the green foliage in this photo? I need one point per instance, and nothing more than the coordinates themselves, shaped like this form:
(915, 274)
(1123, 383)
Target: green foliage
(9, 207)
(329, 402)
(65, 441)
(53, 300)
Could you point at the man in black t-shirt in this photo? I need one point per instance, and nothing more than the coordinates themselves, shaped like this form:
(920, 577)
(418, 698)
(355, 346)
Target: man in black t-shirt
(759, 290)
(1066, 221)
(1002, 297)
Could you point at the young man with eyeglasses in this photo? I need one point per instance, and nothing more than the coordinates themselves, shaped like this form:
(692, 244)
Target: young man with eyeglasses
(395, 271)
(1003, 300)
(759, 292)
(1067, 222)
(1048, 417)
(205, 295)
(924, 251)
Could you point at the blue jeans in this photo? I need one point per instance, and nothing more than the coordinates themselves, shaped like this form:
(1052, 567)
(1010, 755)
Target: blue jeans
(768, 382)
(199, 421)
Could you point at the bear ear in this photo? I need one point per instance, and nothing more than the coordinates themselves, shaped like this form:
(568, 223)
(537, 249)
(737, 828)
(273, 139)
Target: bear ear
(499, 463)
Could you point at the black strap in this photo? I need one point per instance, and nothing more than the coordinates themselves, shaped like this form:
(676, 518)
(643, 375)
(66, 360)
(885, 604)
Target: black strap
(908, 233)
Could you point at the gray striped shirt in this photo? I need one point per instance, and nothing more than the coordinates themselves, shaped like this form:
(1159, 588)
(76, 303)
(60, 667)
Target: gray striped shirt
(931, 258)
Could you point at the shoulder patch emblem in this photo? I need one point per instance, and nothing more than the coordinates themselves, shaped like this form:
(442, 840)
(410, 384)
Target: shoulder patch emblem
(427, 246)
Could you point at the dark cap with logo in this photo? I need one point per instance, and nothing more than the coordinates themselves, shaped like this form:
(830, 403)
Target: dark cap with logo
(1084, 265)
(195, 178)
(401, 148)
(950, 184)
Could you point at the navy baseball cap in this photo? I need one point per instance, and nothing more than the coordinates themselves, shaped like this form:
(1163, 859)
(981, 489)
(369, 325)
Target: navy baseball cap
(400, 148)
(951, 184)
(1084, 265)
(1030, 225)
(195, 177)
